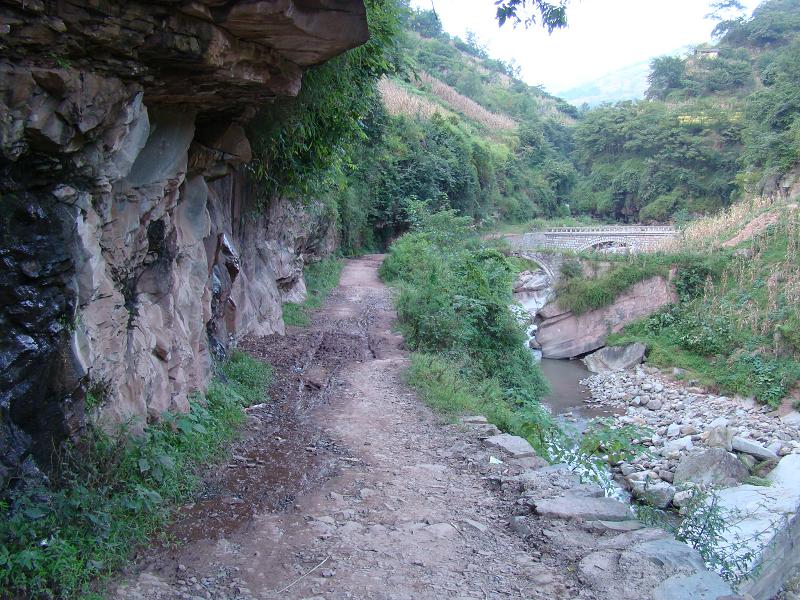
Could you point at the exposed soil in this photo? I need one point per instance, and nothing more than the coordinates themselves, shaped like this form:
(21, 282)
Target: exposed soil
(346, 486)
(756, 226)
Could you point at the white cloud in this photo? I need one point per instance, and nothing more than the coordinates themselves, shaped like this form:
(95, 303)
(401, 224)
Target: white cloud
(603, 35)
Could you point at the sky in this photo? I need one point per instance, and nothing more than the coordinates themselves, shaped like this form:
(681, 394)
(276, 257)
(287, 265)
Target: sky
(603, 35)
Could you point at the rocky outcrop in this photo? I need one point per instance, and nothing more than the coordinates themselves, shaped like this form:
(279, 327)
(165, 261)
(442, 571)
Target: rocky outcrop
(133, 243)
(534, 289)
(615, 358)
(563, 334)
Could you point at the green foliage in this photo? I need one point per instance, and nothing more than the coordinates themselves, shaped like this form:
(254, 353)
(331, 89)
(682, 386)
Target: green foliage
(304, 145)
(706, 335)
(571, 268)
(790, 332)
(453, 305)
(666, 73)
(720, 122)
(321, 278)
(691, 279)
(112, 494)
(645, 161)
(550, 15)
(706, 526)
(614, 443)
(580, 294)
(246, 377)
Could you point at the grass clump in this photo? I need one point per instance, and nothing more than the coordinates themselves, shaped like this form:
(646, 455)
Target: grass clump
(735, 326)
(321, 278)
(581, 295)
(453, 297)
(109, 495)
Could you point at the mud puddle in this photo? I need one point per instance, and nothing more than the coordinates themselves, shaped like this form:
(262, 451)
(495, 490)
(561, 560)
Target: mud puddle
(283, 452)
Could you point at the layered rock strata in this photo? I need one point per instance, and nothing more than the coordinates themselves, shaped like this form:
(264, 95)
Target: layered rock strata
(563, 334)
(133, 243)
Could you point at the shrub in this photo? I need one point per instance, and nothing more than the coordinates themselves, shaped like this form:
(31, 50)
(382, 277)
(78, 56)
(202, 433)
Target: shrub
(112, 494)
(571, 268)
(704, 334)
(453, 305)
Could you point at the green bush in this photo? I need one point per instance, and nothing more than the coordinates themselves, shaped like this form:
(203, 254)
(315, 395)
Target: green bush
(453, 305)
(114, 493)
(705, 334)
(790, 332)
(321, 278)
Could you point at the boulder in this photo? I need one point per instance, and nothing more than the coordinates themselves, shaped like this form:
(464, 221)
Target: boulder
(634, 570)
(531, 281)
(719, 434)
(792, 418)
(583, 507)
(768, 524)
(512, 445)
(655, 493)
(533, 290)
(615, 358)
(753, 449)
(674, 448)
(697, 586)
(712, 466)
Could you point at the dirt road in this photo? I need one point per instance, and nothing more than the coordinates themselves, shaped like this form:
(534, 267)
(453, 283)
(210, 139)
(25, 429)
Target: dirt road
(345, 485)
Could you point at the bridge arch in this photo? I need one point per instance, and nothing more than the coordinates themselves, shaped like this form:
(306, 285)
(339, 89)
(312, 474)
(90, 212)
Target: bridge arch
(608, 243)
(549, 263)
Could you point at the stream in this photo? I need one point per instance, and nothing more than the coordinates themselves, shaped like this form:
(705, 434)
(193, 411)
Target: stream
(566, 403)
(567, 394)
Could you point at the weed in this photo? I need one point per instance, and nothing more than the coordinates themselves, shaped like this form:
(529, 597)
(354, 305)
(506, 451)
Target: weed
(114, 493)
(321, 278)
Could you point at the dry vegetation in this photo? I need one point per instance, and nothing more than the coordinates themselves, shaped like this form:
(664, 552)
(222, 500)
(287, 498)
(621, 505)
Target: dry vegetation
(400, 101)
(467, 107)
(732, 226)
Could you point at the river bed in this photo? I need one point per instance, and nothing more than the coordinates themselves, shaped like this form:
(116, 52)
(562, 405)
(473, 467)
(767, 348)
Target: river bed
(566, 403)
(566, 400)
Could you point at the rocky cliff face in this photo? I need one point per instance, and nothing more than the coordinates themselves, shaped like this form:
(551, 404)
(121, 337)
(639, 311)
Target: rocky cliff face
(563, 334)
(132, 242)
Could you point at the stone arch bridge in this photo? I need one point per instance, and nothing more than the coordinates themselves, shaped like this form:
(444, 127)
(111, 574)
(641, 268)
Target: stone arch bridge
(612, 239)
(617, 238)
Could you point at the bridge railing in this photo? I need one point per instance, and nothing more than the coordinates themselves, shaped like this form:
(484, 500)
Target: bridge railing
(636, 238)
(611, 229)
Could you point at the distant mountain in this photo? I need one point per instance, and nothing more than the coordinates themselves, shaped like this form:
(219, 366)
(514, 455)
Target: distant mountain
(627, 83)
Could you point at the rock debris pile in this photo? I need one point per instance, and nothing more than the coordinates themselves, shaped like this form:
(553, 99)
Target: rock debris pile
(695, 437)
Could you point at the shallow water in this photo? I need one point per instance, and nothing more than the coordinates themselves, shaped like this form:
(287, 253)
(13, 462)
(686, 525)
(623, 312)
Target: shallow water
(566, 398)
(566, 403)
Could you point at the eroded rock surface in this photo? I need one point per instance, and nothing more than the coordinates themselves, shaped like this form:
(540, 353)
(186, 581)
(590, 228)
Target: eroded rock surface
(615, 358)
(563, 334)
(133, 244)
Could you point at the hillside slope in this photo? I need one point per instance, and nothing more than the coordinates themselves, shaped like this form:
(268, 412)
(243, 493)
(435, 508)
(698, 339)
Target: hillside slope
(456, 129)
(720, 124)
(737, 324)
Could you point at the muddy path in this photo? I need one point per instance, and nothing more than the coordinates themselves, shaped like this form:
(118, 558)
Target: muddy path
(344, 484)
